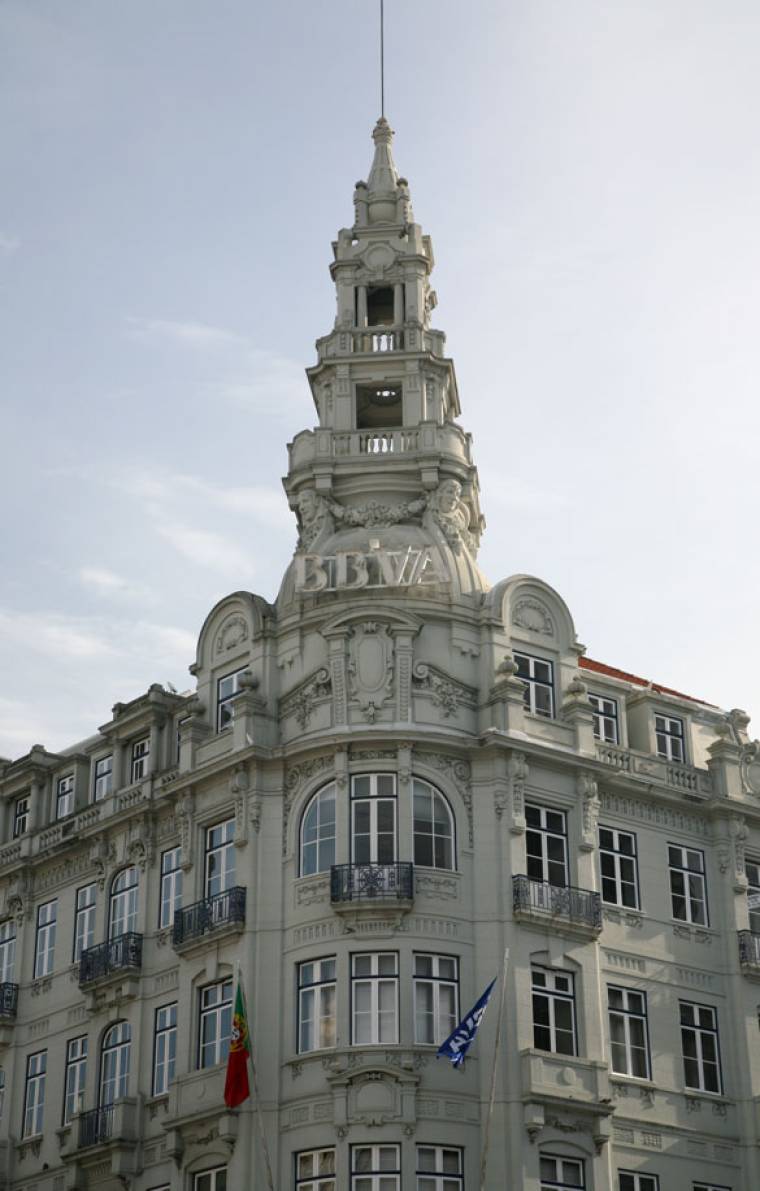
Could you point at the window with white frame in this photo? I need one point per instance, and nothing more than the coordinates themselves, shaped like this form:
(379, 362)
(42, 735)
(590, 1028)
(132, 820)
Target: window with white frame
(605, 718)
(374, 998)
(688, 893)
(618, 862)
(709, 1187)
(629, 1180)
(44, 946)
(211, 1180)
(164, 1048)
(220, 858)
(64, 797)
(316, 1004)
(553, 1011)
(315, 1170)
(84, 919)
(171, 886)
(538, 676)
(546, 845)
(436, 1001)
(21, 816)
(140, 758)
(122, 912)
(215, 1023)
(318, 832)
(103, 784)
(752, 868)
(376, 1168)
(670, 737)
(8, 951)
(561, 1174)
(439, 1168)
(75, 1077)
(226, 690)
(373, 818)
(115, 1062)
(699, 1045)
(433, 827)
(34, 1094)
(629, 1040)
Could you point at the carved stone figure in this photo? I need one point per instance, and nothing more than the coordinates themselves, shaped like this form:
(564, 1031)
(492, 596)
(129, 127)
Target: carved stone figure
(451, 515)
(315, 517)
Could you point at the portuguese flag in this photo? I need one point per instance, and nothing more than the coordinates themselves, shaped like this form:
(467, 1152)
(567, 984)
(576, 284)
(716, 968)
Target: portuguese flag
(236, 1088)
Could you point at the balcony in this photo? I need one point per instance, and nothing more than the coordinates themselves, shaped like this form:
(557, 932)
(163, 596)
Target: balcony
(693, 782)
(112, 1132)
(224, 913)
(576, 910)
(399, 443)
(357, 886)
(115, 958)
(8, 1001)
(553, 1084)
(749, 952)
(96, 1126)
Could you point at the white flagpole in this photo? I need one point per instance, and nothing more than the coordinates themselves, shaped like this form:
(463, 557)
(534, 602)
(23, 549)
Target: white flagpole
(487, 1137)
(256, 1097)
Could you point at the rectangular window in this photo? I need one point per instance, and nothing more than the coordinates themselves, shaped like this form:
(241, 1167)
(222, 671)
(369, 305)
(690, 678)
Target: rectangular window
(629, 1040)
(688, 893)
(103, 778)
(84, 920)
(538, 677)
(630, 1181)
(21, 816)
(34, 1094)
(436, 1001)
(140, 758)
(215, 1023)
(164, 1048)
(8, 952)
(211, 1180)
(439, 1168)
(546, 845)
(171, 886)
(373, 818)
(553, 1011)
(374, 998)
(226, 690)
(315, 1170)
(44, 950)
(74, 1078)
(178, 742)
(220, 858)
(752, 868)
(619, 867)
(709, 1187)
(669, 734)
(561, 1174)
(699, 1044)
(64, 799)
(376, 1168)
(316, 1004)
(605, 718)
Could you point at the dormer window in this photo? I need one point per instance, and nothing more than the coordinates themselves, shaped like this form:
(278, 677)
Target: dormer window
(605, 718)
(380, 306)
(670, 737)
(21, 816)
(140, 755)
(379, 406)
(539, 684)
(64, 799)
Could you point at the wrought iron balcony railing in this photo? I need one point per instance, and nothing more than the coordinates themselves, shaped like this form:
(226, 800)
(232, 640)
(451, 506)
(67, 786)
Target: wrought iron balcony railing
(372, 882)
(563, 903)
(95, 1126)
(223, 909)
(749, 949)
(8, 1000)
(121, 954)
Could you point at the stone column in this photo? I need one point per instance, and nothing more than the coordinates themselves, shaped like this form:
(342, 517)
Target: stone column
(398, 304)
(361, 306)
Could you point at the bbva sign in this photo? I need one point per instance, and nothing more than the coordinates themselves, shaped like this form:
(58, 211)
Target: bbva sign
(352, 570)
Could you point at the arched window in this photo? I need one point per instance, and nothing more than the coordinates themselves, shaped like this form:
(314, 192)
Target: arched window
(122, 915)
(7, 951)
(114, 1063)
(318, 832)
(433, 828)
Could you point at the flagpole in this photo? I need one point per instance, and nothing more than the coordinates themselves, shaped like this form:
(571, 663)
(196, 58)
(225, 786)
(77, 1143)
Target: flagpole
(487, 1137)
(257, 1098)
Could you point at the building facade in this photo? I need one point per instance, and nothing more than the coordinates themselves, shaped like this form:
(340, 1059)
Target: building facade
(382, 782)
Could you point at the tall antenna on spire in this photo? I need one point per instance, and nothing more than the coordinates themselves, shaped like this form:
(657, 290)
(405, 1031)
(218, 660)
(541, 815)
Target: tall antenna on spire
(382, 57)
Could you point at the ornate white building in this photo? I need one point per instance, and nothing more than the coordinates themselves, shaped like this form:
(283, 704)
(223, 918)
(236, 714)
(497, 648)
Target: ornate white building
(382, 781)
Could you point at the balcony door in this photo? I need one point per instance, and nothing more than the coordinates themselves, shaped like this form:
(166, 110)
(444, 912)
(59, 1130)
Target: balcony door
(122, 916)
(114, 1063)
(373, 819)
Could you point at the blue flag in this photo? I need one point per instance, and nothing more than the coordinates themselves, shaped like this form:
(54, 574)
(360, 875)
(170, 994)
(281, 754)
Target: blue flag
(459, 1042)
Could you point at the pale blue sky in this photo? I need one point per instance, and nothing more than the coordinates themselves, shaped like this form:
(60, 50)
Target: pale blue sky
(173, 175)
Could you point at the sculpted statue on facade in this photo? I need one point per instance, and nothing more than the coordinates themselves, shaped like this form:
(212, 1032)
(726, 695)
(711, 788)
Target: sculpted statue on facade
(450, 516)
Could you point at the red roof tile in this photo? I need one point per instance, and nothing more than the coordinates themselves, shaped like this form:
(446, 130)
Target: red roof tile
(612, 671)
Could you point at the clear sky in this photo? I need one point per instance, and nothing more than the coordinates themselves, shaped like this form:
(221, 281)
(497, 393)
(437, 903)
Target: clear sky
(173, 175)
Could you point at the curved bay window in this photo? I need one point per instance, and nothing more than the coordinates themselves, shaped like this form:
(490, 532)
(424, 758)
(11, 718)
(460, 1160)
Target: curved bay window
(122, 914)
(433, 827)
(114, 1063)
(318, 832)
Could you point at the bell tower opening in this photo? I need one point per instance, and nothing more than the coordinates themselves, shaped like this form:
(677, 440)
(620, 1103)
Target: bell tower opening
(379, 407)
(380, 309)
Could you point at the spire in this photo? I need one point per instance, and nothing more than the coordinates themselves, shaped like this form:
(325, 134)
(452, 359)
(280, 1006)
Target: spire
(383, 187)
